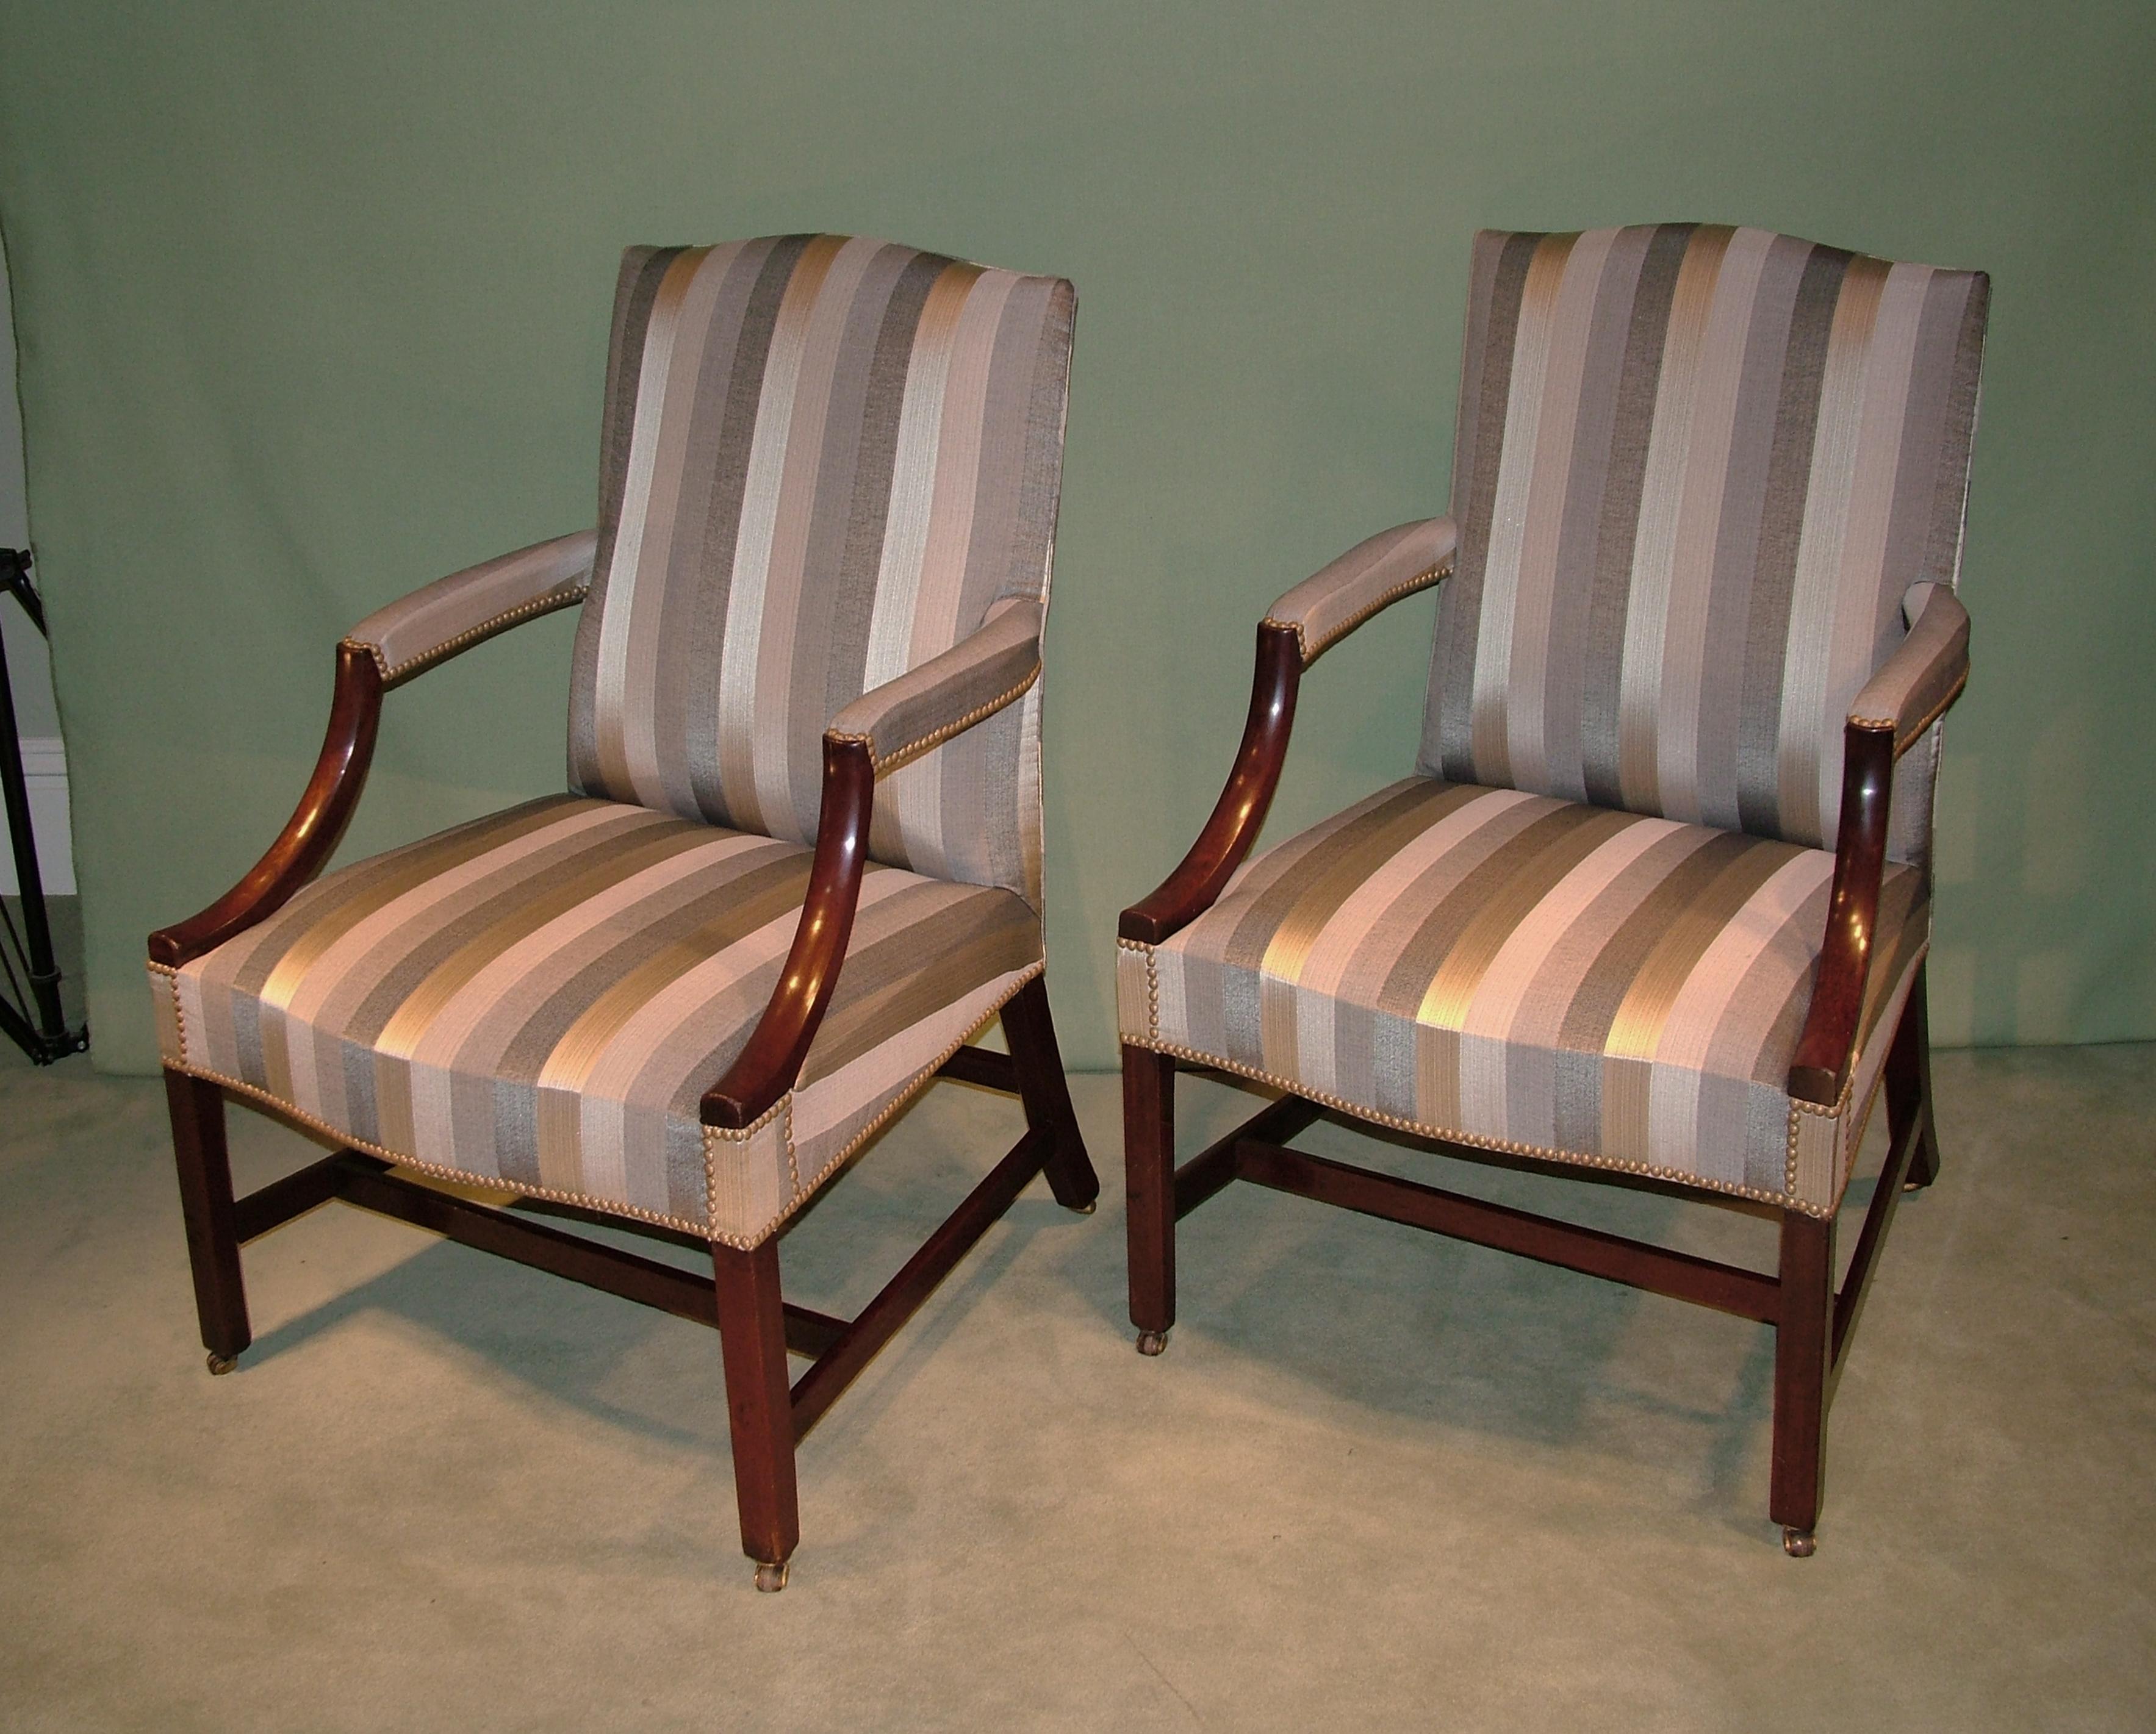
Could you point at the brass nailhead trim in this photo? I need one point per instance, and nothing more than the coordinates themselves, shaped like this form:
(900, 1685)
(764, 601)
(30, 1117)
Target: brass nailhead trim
(741, 1135)
(905, 755)
(545, 604)
(179, 1012)
(716, 1135)
(1153, 983)
(1407, 586)
(1917, 729)
(464, 1176)
(1568, 1157)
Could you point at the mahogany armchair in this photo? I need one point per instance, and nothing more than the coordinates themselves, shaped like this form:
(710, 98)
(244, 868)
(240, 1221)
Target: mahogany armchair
(798, 869)
(1633, 919)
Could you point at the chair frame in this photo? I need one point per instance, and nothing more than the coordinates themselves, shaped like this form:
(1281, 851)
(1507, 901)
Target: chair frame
(767, 1415)
(1815, 1321)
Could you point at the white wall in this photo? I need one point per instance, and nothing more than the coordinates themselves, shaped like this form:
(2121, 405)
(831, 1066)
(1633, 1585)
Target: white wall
(28, 671)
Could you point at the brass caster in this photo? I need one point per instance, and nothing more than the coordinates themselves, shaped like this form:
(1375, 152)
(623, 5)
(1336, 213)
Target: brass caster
(222, 1363)
(771, 1578)
(1797, 1543)
(1084, 1209)
(1151, 1343)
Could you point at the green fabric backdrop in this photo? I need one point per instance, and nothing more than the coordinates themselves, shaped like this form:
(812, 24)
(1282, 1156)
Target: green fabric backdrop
(312, 308)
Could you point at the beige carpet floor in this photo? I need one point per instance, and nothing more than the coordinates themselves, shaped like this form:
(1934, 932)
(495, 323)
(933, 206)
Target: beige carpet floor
(1378, 1480)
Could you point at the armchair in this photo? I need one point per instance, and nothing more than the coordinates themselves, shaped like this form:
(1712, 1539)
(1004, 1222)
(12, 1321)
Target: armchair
(1632, 919)
(798, 869)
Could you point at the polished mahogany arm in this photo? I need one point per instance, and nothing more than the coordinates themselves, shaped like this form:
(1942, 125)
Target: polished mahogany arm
(1826, 1048)
(768, 1067)
(1240, 813)
(887, 727)
(413, 634)
(1297, 629)
(1912, 690)
(311, 833)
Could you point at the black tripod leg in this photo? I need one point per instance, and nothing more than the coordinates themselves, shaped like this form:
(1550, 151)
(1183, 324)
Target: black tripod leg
(37, 929)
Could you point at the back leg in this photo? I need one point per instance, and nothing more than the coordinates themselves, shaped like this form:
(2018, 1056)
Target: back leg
(1030, 1032)
(1909, 1087)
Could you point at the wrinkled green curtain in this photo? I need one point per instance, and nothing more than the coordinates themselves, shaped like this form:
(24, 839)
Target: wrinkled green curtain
(312, 305)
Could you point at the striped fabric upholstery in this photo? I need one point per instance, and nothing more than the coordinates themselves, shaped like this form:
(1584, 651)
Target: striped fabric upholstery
(825, 461)
(539, 999)
(1538, 975)
(1697, 469)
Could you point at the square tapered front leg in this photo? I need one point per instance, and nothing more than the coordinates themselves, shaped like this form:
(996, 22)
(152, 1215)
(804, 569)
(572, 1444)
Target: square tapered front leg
(206, 1204)
(1149, 1171)
(759, 1406)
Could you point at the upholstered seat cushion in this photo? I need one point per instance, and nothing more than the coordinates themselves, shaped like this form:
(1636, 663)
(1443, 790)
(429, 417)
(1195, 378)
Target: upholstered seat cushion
(538, 999)
(1538, 975)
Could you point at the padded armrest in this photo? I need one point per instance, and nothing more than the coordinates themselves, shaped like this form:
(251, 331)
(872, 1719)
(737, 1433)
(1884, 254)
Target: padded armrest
(948, 694)
(453, 613)
(1324, 608)
(1926, 673)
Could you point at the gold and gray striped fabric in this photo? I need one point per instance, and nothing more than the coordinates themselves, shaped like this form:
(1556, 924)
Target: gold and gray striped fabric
(825, 461)
(539, 999)
(1697, 469)
(1538, 975)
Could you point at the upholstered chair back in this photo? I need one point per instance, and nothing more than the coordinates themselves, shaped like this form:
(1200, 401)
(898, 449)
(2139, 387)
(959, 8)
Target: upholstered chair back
(825, 460)
(1698, 470)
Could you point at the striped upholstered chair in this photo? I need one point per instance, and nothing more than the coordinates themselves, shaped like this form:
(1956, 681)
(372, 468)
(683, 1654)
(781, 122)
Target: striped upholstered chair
(799, 867)
(1654, 906)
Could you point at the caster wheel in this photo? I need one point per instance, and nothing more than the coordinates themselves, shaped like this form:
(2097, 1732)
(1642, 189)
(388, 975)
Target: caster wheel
(222, 1363)
(771, 1578)
(1151, 1343)
(1799, 1543)
(1086, 1208)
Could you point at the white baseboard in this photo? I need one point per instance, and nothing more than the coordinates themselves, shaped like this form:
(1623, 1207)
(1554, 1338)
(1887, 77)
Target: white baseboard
(45, 769)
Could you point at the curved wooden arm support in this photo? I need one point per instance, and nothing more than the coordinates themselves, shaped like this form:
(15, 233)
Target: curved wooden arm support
(1914, 688)
(768, 1067)
(1827, 1049)
(1240, 813)
(311, 833)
